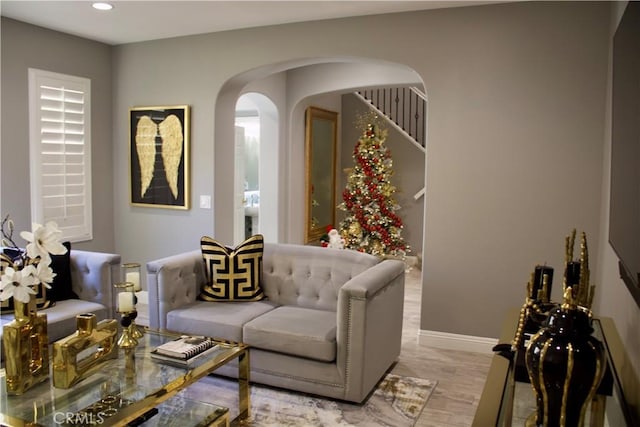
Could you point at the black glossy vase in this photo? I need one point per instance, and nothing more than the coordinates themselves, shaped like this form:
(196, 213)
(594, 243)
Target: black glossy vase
(565, 365)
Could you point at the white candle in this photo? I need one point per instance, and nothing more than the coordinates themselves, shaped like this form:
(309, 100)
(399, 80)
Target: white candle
(125, 302)
(134, 277)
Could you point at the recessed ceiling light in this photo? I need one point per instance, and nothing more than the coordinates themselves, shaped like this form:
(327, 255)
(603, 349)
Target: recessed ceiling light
(102, 6)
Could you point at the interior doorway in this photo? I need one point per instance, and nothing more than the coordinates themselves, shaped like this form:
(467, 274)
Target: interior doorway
(255, 186)
(284, 88)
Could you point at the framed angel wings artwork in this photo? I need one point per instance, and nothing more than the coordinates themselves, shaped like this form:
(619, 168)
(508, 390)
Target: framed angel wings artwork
(159, 156)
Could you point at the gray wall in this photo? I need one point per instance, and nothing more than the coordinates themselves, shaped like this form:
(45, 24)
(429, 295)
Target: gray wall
(517, 138)
(25, 46)
(516, 122)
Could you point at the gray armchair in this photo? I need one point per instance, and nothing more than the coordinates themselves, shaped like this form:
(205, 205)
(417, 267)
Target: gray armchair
(92, 278)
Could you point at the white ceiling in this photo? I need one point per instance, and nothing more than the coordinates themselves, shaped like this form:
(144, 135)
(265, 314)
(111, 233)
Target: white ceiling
(134, 21)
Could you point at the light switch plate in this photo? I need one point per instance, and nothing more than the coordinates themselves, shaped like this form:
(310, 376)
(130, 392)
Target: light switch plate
(205, 202)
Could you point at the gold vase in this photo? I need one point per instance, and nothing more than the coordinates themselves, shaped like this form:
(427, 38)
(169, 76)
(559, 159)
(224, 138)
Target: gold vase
(25, 342)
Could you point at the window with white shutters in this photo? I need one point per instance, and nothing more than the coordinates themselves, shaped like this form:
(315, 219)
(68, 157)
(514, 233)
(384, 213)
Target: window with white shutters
(60, 152)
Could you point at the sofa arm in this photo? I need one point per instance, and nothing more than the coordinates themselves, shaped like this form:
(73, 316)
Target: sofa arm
(173, 282)
(93, 275)
(369, 326)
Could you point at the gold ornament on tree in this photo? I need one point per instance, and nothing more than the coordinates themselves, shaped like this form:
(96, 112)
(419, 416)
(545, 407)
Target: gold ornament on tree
(354, 229)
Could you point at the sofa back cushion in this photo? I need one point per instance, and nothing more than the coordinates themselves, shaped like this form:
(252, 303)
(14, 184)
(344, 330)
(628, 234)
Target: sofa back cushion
(309, 276)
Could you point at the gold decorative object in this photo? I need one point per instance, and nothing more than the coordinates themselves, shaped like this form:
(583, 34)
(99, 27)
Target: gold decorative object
(131, 276)
(24, 273)
(564, 361)
(26, 345)
(126, 307)
(536, 305)
(81, 354)
(577, 274)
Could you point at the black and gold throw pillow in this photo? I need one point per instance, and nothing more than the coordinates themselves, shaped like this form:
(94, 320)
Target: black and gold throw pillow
(61, 287)
(232, 274)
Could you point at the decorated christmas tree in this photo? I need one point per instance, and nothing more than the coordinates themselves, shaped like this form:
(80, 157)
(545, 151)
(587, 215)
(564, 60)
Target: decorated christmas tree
(371, 224)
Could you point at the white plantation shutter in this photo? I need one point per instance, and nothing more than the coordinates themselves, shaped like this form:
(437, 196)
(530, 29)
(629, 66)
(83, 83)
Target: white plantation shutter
(60, 152)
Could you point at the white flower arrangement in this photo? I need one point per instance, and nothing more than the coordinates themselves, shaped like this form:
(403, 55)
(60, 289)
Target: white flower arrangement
(31, 267)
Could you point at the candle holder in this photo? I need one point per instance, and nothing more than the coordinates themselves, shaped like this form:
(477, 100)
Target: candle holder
(131, 275)
(126, 307)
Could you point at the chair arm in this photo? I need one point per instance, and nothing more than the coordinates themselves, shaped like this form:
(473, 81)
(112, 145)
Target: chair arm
(173, 282)
(93, 275)
(369, 326)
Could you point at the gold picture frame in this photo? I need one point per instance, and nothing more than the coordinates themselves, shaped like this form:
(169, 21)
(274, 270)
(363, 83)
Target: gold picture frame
(159, 143)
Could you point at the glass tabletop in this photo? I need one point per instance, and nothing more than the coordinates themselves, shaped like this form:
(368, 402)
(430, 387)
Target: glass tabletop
(113, 395)
(179, 412)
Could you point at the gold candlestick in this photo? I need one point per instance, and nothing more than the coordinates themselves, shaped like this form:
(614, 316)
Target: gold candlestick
(127, 338)
(135, 330)
(126, 307)
(131, 279)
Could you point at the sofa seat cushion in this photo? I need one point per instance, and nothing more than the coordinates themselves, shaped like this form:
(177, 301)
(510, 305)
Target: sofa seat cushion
(297, 331)
(221, 320)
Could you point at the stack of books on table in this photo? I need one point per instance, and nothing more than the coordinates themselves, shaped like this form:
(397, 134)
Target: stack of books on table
(184, 351)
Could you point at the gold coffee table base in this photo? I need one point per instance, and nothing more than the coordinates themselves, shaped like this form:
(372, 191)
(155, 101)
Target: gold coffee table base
(149, 385)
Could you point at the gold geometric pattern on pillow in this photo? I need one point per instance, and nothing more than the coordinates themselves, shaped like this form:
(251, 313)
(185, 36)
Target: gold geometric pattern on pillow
(232, 274)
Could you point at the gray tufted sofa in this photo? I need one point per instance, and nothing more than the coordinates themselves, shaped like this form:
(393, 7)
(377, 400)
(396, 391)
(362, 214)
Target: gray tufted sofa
(92, 278)
(331, 324)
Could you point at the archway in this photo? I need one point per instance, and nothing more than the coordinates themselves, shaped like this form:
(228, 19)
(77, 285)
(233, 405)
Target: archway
(288, 85)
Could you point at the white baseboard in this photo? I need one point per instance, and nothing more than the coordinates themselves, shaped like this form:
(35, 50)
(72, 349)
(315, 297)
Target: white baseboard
(458, 342)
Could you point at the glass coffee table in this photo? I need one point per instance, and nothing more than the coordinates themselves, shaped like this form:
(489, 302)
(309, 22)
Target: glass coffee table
(115, 396)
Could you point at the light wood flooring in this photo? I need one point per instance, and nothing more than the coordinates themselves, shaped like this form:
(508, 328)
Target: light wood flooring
(460, 375)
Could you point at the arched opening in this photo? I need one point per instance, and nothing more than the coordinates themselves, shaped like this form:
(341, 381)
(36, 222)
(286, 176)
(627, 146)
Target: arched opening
(290, 86)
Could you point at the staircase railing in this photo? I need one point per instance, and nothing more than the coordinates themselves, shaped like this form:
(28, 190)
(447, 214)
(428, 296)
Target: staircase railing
(405, 107)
